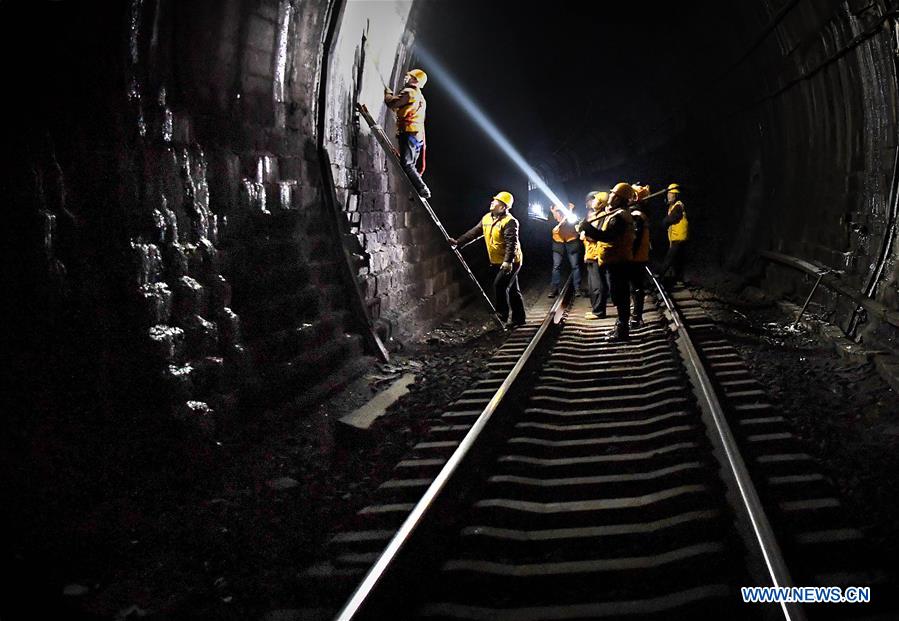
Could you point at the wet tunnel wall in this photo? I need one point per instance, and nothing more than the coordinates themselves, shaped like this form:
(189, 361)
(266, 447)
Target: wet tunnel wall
(180, 252)
(783, 128)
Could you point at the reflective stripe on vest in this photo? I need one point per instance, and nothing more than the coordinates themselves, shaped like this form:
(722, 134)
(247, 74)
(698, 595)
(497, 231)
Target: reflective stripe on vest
(621, 249)
(493, 237)
(681, 230)
(411, 117)
(641, 246)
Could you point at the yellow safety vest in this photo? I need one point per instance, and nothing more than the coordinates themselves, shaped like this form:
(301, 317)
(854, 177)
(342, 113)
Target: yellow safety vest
(641, 251)
(621, 250)
(411, 117)
(681, 230)
(564, 232)
(496, 243)
(591, 248)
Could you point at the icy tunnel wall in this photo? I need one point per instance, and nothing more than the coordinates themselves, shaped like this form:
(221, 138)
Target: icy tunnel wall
(179, 254)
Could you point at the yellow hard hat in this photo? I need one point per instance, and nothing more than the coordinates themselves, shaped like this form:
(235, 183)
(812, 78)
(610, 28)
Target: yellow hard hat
(674, 188)
(505, 198)
(419, 75)
(624, 190)
(600, 199)
(641, 191)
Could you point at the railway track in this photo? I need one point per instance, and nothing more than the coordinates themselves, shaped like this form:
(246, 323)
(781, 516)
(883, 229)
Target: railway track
(586, 480)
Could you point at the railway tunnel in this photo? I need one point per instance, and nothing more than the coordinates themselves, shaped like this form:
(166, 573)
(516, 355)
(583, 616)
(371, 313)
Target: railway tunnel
(214, 264)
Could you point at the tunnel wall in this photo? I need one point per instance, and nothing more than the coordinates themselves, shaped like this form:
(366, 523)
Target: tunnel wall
(176, 239)
(407, 276)
(820, 135)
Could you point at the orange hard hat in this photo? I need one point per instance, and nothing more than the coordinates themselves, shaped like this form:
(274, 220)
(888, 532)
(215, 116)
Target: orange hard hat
(641, 191)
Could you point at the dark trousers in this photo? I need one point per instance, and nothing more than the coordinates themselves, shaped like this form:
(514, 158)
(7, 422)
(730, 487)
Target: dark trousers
(598, 283)
(675, 259)
(570, 249)
(638, 287)
(505, 285)
(410, 150)
(620, 280)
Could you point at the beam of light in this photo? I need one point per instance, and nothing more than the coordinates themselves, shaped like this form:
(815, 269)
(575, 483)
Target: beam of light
(471, 108)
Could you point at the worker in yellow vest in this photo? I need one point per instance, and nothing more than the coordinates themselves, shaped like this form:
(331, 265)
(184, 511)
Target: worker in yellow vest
(565, 244)
(410, 107)
(597, 275)
(678, 234)
(641, 254)
(500, 231)
(615, 234)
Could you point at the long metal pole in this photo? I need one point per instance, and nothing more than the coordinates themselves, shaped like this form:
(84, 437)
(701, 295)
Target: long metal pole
(808, 299)
(467, 244)
(382, 138)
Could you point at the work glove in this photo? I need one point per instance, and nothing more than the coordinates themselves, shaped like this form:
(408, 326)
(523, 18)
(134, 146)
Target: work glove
(388, 91)
(506, 267)
(452, 241)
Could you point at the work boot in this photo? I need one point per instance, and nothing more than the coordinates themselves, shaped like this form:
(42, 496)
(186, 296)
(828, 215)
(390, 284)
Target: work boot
(636, 322)
(578, 293)
(516, 323)
(424, 191)
(592, 315)
(553, 294)
(619, 333)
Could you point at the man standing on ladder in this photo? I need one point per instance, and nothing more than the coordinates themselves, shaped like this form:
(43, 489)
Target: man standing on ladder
(500, 231)
(410, 107)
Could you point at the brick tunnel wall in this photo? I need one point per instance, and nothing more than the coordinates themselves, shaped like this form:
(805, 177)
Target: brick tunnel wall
(408, 278)
(179, 255)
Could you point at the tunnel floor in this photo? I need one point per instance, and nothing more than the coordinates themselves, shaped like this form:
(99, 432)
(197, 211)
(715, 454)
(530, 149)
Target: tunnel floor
(231, 545)
(835, 400)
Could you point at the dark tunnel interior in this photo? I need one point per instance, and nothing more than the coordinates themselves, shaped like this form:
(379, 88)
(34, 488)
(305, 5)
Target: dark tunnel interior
(207, 247)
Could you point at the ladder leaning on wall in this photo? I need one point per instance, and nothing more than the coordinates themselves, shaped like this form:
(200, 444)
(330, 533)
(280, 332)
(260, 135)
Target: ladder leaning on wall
(392, 154)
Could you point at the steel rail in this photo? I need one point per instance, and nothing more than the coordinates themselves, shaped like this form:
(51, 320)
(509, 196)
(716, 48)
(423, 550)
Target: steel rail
(751, 504)
(377, 572)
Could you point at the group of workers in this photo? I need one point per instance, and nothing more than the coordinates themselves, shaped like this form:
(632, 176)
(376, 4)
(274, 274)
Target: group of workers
(614, 237)
(616, 242)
